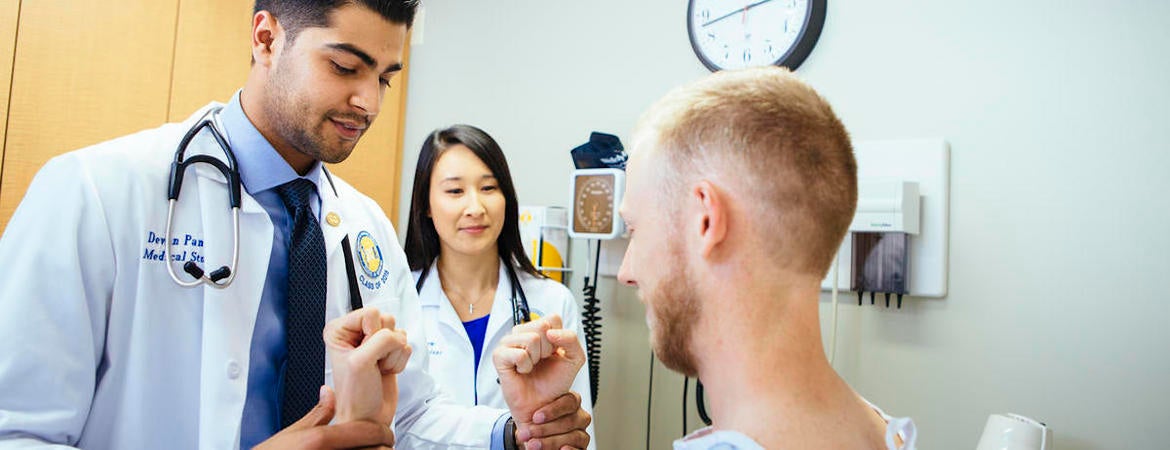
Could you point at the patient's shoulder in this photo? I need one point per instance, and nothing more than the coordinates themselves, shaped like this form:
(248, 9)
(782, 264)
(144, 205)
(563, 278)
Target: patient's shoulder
(899, 430)
(711, 439)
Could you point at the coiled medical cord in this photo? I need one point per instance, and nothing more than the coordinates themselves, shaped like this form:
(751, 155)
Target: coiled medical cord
(592, 324)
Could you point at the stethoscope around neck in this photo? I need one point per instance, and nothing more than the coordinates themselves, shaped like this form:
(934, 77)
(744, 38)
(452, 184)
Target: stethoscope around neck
(223, 276)
(520, 312)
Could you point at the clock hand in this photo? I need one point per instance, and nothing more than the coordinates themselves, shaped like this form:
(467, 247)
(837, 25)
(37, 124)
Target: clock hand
(737, 11)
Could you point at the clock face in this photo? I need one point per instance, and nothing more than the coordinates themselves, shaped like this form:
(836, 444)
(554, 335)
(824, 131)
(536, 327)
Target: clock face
(732, 34)
(594, 204)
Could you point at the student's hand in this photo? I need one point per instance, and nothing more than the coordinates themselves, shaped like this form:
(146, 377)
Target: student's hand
(314, 432)
(367, 354)
(537, 363)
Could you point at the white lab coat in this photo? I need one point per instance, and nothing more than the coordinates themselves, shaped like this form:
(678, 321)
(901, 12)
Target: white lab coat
(100, 349)
(451, 358)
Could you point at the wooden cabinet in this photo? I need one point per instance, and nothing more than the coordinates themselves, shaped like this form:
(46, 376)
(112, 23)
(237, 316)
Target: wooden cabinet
(213, 53)
(84, 71)
(9, 9)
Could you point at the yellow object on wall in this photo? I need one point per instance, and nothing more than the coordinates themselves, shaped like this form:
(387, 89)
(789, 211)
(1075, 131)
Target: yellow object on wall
(550, 258)
(547, 224)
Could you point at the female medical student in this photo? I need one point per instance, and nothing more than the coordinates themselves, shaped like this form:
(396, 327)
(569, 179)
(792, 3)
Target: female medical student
(463, 246)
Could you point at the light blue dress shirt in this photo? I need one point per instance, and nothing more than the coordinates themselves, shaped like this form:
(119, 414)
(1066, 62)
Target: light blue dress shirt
(262, 169)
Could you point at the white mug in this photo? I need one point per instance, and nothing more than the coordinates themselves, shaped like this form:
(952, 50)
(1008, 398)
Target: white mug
(1014, 432)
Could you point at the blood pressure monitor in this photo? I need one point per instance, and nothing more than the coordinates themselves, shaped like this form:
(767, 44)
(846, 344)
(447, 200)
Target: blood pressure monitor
(596, 198)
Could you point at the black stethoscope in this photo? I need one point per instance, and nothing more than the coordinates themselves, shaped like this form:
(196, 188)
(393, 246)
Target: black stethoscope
(520, 312)
(222, 277)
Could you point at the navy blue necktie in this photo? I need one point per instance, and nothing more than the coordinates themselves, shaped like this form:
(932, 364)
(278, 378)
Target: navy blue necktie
(305, 371)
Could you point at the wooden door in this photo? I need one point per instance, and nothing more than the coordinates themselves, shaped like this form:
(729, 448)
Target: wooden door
(84, 71)
(213, 54)
(9, 11)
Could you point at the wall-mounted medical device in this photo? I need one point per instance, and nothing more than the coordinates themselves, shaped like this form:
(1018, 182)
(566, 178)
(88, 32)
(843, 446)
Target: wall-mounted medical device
(887, 215)
(897, 242)
(886, 206)
(596, 198)
(597, 186)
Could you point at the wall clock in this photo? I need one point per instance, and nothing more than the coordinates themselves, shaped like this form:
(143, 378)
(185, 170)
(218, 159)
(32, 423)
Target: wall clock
(729, 34)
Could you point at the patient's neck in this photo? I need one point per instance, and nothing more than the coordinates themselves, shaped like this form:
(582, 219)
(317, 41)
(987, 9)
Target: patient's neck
(783, 393)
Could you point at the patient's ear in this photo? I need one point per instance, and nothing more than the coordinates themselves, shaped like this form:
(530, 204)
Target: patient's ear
(712, 216)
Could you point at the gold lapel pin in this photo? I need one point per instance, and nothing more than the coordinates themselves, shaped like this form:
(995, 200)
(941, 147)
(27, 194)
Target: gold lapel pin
(333, 219)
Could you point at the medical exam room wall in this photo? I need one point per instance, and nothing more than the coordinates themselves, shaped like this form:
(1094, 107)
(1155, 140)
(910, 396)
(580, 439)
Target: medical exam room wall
(1056, 112)
(83, 71)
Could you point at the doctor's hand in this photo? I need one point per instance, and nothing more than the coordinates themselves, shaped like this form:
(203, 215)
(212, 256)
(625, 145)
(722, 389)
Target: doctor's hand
(366, 354)
(557, 425)
(537, 364)
(314, 432)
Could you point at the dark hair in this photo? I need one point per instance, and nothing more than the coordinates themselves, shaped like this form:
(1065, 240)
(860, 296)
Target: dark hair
(422, 241)
(295, 15)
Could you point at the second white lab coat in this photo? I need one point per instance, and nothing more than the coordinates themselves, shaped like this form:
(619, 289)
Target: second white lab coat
(100, 349)
(451, 354)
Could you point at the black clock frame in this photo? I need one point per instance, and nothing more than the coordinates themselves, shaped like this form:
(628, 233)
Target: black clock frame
(814, 22)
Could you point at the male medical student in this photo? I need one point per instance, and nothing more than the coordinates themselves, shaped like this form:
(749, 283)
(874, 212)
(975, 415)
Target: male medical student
(740, 188)
(101, 348)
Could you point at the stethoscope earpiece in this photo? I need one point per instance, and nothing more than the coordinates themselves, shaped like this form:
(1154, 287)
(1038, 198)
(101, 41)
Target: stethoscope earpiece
(220, 273)
(193, 269)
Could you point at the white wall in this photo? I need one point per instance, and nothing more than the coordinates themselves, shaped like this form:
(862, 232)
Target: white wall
(1057, 114)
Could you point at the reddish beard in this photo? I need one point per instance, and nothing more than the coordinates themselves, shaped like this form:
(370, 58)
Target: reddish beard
(676, 309)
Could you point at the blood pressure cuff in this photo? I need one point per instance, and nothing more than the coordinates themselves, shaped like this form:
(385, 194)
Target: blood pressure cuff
(603, 151)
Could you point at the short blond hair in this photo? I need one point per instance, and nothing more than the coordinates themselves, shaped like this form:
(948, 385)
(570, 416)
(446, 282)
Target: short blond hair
(775, 138)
